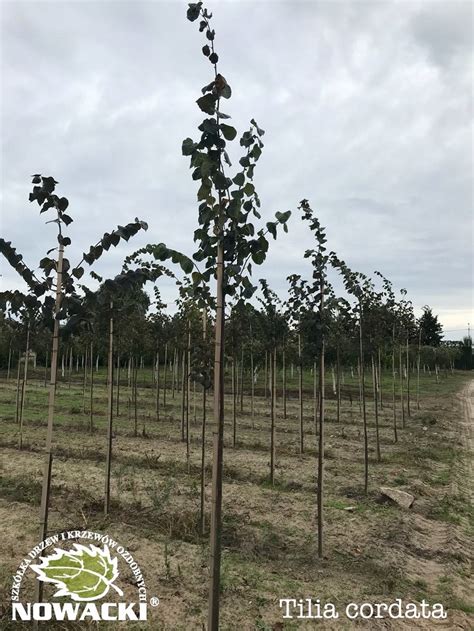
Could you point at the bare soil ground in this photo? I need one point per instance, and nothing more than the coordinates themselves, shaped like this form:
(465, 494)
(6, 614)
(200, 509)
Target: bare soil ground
(374, 552)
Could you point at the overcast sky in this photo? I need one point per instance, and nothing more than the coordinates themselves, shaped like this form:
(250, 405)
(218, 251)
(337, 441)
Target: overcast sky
(367, 108)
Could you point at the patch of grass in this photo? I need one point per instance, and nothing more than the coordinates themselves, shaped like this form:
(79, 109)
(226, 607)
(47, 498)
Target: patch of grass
(280, 485)
(460, 605)
(340, 505)
(451, 509)
(441, 479)
(400, 480)
(20, 489)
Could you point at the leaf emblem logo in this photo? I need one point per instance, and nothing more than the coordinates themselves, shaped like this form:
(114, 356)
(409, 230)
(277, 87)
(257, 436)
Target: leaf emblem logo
(83, 574)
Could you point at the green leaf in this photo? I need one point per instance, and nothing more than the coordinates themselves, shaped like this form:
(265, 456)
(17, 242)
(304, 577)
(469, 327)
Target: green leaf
(213, 58)
(106, 241)
(220, 180)
(64, 240)
(260, 131)
(258, 257)
(206, 50)
(204, 191)
(83, 574)
(208, 88)
(115, 238)
(249, 189)
(66, 219)
(207, 103)
(63, 203)
(283, 217)
(226, 158)
(228, 131)
(193, 11)
(186, 264)
(188, 147)
(239, 179)
(271, 227)
(78, 272)
(226, 91)
(256, 152)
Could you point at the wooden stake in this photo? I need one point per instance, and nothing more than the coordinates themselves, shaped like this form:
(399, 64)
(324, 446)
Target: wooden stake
(110, 395)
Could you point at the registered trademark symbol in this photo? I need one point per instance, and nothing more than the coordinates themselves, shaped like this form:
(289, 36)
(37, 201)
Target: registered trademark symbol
(154, 601)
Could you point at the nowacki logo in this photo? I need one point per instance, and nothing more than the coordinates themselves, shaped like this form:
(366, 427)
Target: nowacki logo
(82, 574)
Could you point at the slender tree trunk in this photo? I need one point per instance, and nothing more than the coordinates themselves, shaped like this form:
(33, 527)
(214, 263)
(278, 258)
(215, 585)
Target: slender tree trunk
(157, 385)
(70, 367)
(218, 441)
(252, 381)
(110, 410)
(376, 408)
(359, 377)
(242, 381)
(364, 412)
(173, 373)
(284, 382)
(91, 391)
(203, 430)
(188, 396)
(402, 403)
(394, 398)
(266, 375)
(320, 490)
(272, 357)
(300, 388)
(418, 371)
(23, 388)
(117, 410)
(46, 485)
(183, 397)
(408, 378)
(379, 379)
(9, 361)
(164, 377)
(338, 384)
(135, 397)
(315, 399)
(84, 382)
(234, 401)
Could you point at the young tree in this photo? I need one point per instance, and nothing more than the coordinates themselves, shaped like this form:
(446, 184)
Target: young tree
(318, 291)
(431, 329)
(274, 329)
(65, 302)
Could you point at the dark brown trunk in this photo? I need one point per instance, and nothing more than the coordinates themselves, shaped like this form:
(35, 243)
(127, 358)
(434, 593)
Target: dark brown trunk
(320, 490)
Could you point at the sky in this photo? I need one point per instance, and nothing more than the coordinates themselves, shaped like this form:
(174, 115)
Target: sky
(367, 108)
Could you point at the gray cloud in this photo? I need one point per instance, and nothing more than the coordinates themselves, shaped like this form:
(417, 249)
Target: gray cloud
(367, 108)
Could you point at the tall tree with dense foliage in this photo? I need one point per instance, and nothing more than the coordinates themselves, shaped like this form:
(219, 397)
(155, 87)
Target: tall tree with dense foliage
(431, 329)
